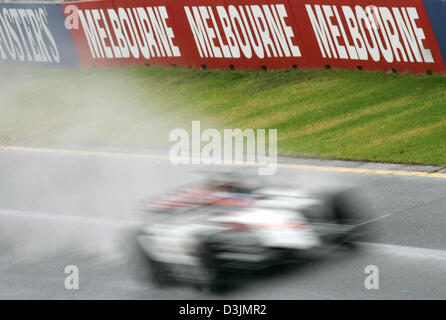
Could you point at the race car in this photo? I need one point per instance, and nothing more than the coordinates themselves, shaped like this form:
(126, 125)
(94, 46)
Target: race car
(203, 232)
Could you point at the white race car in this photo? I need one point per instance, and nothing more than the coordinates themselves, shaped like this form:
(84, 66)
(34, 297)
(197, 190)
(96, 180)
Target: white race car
(202, 232)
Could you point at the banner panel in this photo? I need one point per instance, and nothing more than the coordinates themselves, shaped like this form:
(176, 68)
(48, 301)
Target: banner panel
(125, 33)
(241, 34)
(378, 35)
(34, 34)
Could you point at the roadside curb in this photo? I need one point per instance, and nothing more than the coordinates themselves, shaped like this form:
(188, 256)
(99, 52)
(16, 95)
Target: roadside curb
(283, 162)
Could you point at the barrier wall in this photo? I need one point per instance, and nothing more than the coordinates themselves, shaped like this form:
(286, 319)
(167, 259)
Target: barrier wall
(404, 35)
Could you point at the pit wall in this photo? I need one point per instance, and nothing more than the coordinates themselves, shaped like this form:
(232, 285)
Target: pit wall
(397, 35)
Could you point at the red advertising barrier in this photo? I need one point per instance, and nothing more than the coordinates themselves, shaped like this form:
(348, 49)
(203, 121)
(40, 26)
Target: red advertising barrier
(254, 34)
(223, 34)
(112, 33)
(389, 34)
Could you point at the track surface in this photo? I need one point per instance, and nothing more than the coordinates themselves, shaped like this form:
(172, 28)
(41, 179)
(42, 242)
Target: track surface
(409, 243)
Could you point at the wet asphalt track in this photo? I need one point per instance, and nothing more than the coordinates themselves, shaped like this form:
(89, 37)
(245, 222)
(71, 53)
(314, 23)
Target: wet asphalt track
(59, 210)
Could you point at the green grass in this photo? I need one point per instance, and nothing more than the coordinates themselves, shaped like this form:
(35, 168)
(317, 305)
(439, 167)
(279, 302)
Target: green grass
(338, 114)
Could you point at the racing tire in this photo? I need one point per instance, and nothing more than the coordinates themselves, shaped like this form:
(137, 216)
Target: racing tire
(157, 272)
(213, 280)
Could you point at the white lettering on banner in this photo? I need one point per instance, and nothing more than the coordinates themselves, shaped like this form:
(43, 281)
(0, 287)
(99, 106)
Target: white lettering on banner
(251, 30)
(129, 33)
(389, 34)
(25, 36)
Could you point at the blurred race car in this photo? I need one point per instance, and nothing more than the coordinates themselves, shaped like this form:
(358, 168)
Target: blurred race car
(201, 232)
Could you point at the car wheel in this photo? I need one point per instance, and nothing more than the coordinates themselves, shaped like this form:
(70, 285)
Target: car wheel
(158, 274)
(211, 275)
